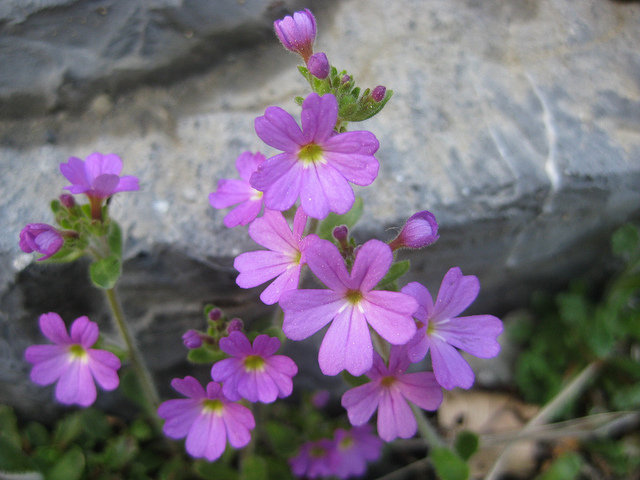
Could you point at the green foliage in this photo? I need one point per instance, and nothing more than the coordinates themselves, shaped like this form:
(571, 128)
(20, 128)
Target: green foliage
(106, 272)
(565, 467)
(573, 328)
(466, 444)
(448, 464)
(397, 270)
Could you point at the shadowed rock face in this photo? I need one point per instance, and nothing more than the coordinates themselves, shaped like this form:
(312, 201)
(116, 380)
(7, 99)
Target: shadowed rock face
(515, 122)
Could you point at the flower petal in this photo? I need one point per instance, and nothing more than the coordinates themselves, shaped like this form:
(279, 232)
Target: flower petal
(307, 311)
(53, 327)
(456, 293)
(84, 332)
(475, 334)
(360, 402)
(450, 369)
(390, 314)
(279, 130)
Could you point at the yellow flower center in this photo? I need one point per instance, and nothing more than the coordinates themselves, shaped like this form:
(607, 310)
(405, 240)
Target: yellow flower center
(254, 363)
(310, 154)
(214, 406)
(78, 352)
(354, 296)
(388, 381)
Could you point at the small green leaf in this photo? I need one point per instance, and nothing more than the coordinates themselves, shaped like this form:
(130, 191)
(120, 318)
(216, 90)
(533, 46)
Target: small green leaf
(282, 438)
(215, 471)
(69, 467)
(254, 468)
(114, 239)
(13, 459)
(205, 354)
(466, 444)
(68, 429)
(565, 467)
(448, 465)
(395, 272)
(105, 273)
(333, 220)
(9, 426)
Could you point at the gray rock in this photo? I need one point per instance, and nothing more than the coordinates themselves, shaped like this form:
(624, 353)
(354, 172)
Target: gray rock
(515, 122)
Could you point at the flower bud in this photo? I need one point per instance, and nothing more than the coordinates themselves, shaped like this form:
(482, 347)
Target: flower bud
(379, 93)
(192, 339)
(41, 238)
(318, 65)
(420, 230)
(297, 33)
(345, 79)
(215, 314)
(235, 325)
(341, 233)
(320, 399)
(67, 200)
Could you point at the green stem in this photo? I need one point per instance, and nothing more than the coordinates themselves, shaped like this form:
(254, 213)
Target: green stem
(151, 397)
(571, 391)
(427, 432)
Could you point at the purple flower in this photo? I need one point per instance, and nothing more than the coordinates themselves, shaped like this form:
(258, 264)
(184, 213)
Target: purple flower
(254, 372)
(420, 230)
(441, 331)
(388, 392)
(297, 33)
(71, 361)
(354, 449)
(97, 177)
(284, 259)
(41, 238)
(206, 418)
(316, 164)
(318, 65)
(315, 459)
(352, 304)
(231, 192)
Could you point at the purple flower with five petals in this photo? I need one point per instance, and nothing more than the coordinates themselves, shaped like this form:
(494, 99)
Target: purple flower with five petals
(98, 176)
(71, 361)
(284, 259)
(354, 448)
(232, 191)
(41, 238)
(317, 164)
(352, 304)
(388, 392)
(315, 459)
(206, 418)
(441, 331)
(254, 372)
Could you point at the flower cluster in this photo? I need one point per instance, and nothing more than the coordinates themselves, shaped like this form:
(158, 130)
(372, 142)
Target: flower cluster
(345, 455)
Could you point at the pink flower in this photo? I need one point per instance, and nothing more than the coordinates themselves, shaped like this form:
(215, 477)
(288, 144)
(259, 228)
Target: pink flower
(354, 449)
(206, 418)
(441, 331)
(388, 392)
(232, 192)
(352, 304)
(420, 230)
(297, 33)
(315, 459)
(316, 164)
(41, 238)
(71, 361)
(97, 177)
(284, 259)
(254, 372)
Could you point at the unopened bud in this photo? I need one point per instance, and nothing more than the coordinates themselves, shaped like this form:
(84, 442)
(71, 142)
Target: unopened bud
(379, 93)
(67, 200)
(345, 79)
(192, 339)
(318, 65)
(297, 33)
(320, 399)
(420, 230)
(235, 325)
(215, 314)
(341, 233)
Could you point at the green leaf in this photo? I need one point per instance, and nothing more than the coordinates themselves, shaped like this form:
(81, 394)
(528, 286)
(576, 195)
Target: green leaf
(282, 438)
(396, 271)
(333, 220)
(254, 468)
(114, 239)
(205, 354)
(13, 459)
(625, 240)
(466, 444)
(68, 429)
(565, 467)
(69, 467)
(105, 273)
(215, 471)
(9, 426)
(448, 465)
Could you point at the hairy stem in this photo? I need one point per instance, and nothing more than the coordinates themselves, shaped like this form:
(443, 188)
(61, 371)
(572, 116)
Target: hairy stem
(151, 397)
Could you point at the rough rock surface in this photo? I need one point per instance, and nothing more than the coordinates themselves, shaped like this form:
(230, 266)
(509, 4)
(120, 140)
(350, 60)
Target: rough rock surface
(515, 122)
